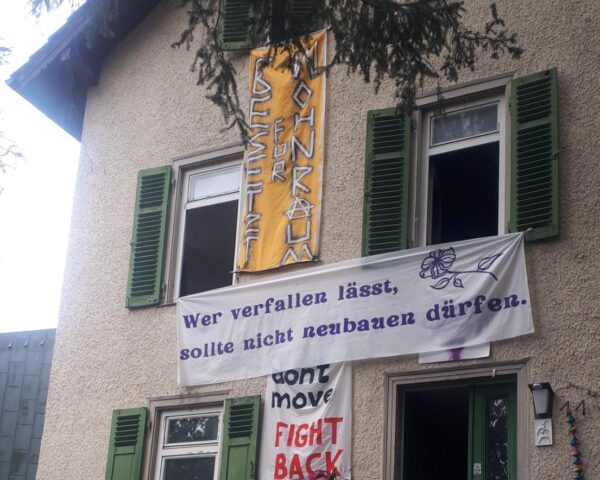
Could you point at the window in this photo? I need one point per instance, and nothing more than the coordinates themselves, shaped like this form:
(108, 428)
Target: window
(188, 444)
(195, 222)
(485, 166)
(463, 172)
(456, 425)
(234, 18)
(207, 227)
(233, 25)
(192, 437)
(203, 437)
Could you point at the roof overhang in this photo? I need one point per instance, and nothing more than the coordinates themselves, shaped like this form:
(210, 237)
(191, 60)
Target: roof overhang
(57, 77)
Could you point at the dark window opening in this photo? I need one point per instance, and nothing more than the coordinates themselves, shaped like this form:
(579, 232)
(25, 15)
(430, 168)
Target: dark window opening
(189, 468)
(436, 434)
(464, 193)
(208, 247)
(293, 19)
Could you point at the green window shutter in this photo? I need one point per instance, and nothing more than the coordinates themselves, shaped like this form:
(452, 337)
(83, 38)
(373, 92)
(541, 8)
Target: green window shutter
(126, 446)
(534, 149)
(233, 24)
(385, 214)
(147, 244)
(240, 438)
(303, 8)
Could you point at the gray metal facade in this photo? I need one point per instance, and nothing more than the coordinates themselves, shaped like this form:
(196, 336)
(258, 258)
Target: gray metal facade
(25, 359)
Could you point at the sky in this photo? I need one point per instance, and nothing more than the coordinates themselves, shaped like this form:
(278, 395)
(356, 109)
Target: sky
(36, 192)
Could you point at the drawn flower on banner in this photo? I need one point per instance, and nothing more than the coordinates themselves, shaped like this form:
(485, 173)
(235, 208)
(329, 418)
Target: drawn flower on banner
(438, 264)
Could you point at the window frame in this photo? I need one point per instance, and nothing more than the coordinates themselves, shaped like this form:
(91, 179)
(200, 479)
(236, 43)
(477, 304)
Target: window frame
(166, 451)
(458, 97)
(182, 168)
(493, 371)
(161, 407)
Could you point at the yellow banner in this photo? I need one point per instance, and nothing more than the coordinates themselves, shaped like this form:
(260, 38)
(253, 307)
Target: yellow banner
(284, 158)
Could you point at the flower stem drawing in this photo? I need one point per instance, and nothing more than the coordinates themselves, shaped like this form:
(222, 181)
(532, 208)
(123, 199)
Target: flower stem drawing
(438, 263)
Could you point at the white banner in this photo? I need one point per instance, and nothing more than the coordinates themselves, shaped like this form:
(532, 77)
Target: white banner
(420, 300)
(307, 423)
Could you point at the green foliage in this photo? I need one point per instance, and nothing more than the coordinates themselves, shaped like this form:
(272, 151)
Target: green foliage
(103, 11)
(406, 42)
(9, 155)
(38, 6)
(381, 38)
(4, 52)
(212, 64)
(9, 152)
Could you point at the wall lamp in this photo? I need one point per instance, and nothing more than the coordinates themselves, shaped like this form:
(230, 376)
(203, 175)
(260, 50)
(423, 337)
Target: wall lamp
(543, 398)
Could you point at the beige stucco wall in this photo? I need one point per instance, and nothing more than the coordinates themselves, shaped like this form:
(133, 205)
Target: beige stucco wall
(146, 110)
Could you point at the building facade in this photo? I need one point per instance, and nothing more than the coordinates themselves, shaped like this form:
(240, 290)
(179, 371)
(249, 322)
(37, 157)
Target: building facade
(411, 420)
(25, 360)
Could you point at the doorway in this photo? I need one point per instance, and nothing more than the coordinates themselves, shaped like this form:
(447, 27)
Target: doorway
(457, 431)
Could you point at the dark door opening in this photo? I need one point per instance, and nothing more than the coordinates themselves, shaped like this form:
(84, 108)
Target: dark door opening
(436, 434)
(457, 432)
